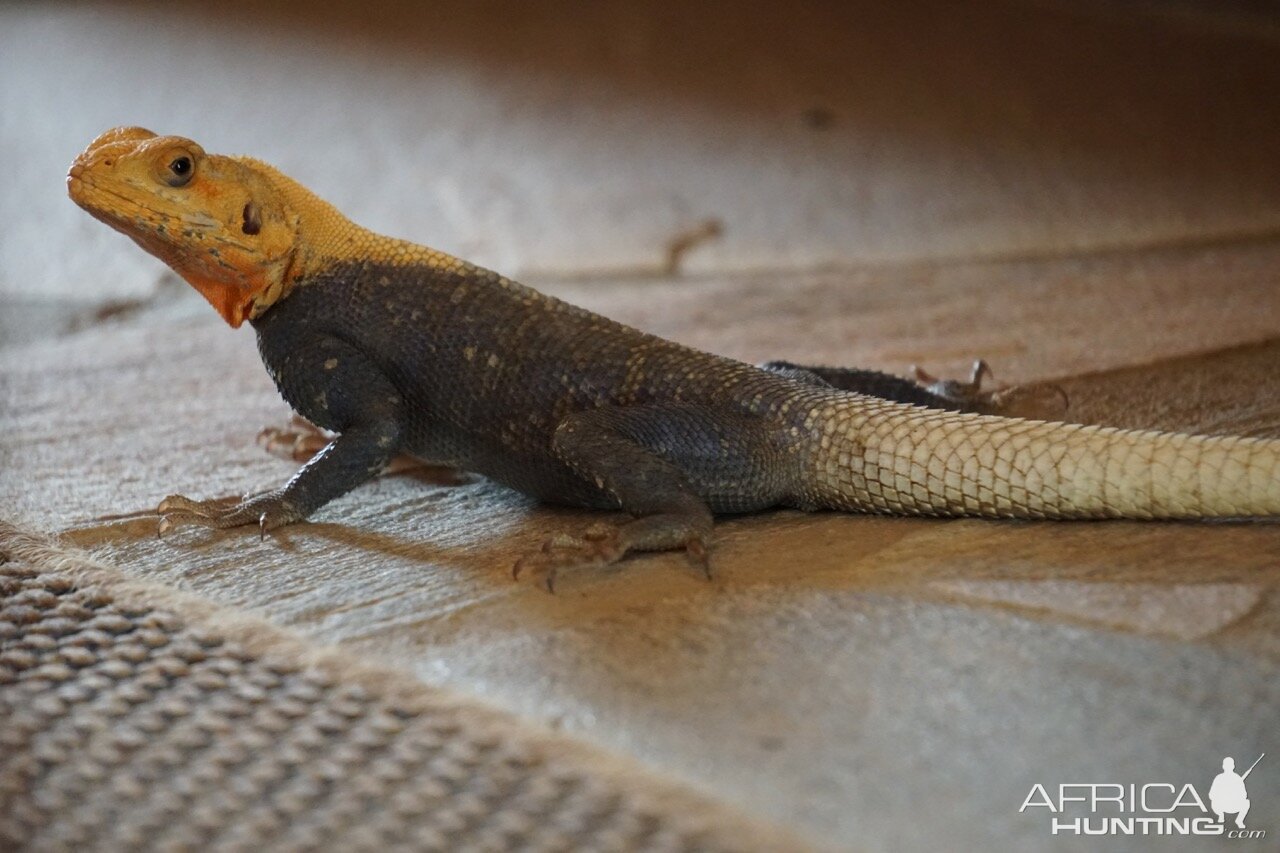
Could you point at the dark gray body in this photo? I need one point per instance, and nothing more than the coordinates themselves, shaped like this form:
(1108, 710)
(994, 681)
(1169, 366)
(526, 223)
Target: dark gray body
(461, 366)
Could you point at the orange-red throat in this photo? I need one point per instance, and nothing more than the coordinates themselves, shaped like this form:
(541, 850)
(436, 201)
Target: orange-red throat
(218, 222)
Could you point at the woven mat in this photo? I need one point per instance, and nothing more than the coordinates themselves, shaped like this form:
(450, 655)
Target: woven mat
(135, 717)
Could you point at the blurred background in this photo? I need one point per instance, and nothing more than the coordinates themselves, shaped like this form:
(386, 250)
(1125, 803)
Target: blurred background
(586, 138)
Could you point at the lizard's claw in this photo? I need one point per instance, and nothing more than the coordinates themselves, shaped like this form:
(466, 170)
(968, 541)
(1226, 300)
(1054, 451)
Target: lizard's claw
(698, 553)
(603, 545)
(599, 545)
(956, 390)
(1040, 402)
(268, 510)
(1045, 402)
(299, 441)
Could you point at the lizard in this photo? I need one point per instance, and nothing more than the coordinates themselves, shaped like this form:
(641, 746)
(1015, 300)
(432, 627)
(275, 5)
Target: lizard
(397, 348)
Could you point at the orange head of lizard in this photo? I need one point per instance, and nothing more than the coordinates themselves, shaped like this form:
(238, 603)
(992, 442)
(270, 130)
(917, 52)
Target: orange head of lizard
(216, 221)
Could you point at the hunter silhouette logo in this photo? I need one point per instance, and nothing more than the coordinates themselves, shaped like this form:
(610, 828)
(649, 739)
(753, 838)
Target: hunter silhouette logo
(1151, 808)
(1228, 795)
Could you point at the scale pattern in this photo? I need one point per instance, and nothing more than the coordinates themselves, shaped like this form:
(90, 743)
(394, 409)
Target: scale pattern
(883, 457)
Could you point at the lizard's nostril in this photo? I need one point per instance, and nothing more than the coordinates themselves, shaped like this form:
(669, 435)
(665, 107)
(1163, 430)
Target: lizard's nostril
(107, 162)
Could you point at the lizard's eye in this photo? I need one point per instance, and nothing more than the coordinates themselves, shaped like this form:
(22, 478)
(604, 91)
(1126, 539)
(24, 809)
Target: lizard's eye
(180, 170)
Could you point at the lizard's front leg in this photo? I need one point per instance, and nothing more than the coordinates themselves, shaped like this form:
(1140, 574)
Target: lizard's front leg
(333, 383)
(662, 464)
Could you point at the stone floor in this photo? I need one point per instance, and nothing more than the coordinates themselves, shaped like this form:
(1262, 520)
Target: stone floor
(840, 671)
(1064, 209)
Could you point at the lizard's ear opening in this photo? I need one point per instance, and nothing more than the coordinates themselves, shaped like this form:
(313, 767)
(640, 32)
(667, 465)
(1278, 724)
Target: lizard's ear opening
(252, 219)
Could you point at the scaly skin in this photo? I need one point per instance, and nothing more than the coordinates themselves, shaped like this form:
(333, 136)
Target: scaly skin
(400, 348)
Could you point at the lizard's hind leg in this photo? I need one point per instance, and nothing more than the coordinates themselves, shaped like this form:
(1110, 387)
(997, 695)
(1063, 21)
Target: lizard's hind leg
(871, 382)
(1041, 402)
(668, 466)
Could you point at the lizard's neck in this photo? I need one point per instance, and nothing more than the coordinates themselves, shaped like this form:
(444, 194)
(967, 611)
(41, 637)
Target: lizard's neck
(326, 239)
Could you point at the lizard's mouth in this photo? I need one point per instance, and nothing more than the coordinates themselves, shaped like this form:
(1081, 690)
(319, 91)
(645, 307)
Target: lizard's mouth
(126, 211)
(100, 203)
(149, 228)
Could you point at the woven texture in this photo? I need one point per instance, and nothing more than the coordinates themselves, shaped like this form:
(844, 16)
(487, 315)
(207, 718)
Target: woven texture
(129, 721)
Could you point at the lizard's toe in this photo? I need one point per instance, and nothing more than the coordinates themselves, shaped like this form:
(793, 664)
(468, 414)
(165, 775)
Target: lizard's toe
(599, 546)
(1037, 402)
(299, 441)
(604, 544)
(699, 555)
(183, 505)
(968, 394)
(268, 510)
(1044, 402)
(275, 514)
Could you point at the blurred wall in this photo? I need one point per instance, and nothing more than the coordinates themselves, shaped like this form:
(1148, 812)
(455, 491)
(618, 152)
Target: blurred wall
(579, 137)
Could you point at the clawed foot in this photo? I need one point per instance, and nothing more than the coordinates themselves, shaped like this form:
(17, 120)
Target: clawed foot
(968, 394)
(269, 511)
(598, 546)
(1042, 402)
(298, 441)
(301, 440)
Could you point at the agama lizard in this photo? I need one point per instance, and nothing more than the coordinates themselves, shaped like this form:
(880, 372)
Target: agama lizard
(399, 348)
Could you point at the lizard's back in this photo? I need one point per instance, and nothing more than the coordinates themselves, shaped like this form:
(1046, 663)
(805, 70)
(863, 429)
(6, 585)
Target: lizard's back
(490, 368)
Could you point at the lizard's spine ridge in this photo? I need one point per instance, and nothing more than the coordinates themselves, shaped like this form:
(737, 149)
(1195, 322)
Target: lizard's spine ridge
(876, 457)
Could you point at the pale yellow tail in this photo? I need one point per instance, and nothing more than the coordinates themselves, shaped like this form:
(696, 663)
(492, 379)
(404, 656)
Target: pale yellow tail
(875, 456)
